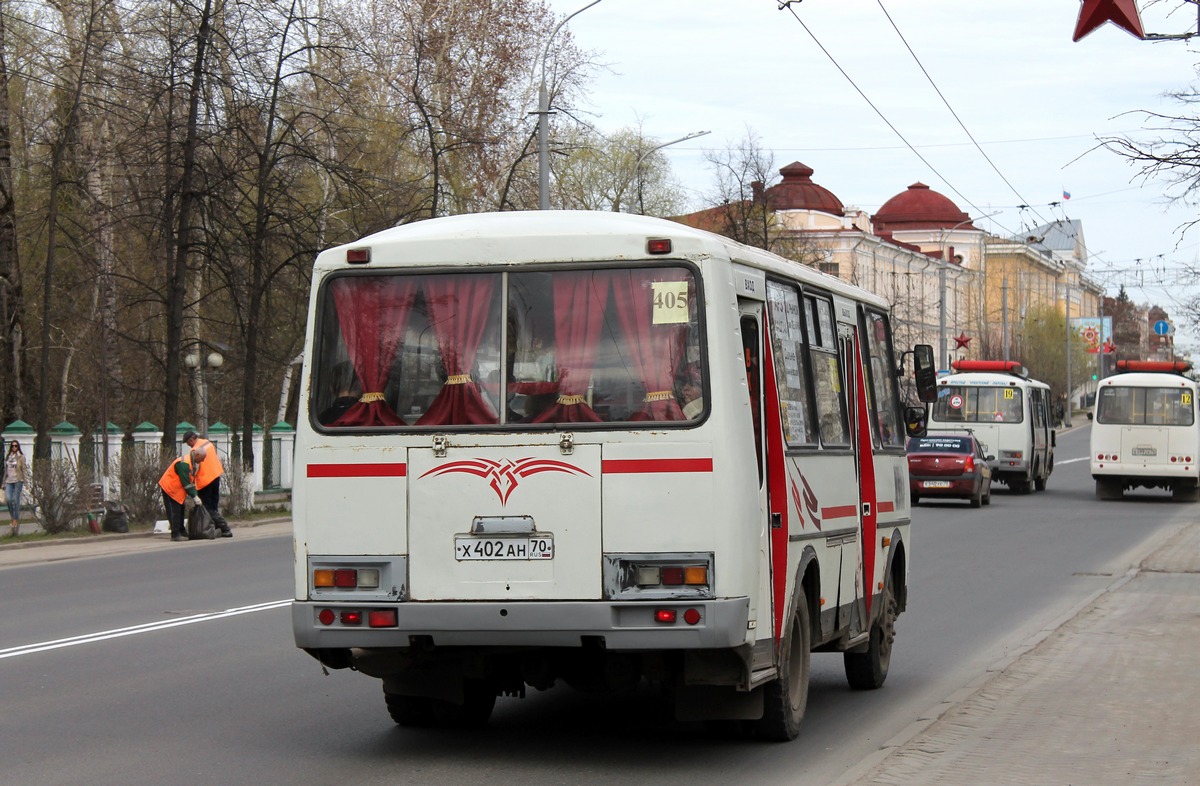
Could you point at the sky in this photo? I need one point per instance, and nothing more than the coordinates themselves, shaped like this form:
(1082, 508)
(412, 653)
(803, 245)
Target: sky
(1034, 102)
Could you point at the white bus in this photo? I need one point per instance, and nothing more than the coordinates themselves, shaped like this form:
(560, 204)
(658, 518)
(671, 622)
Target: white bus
(1144, 431)
(1009, 413)
(596, 448)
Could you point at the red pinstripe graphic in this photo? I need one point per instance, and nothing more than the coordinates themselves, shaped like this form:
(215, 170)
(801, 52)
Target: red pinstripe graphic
(390, 470)
(838, 512)
(887, 507)
(637, 466)
(866, 475)
(776, 483)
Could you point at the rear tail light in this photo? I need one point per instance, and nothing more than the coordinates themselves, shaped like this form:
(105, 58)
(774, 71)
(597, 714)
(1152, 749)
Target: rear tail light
(969, 464)
(346, 578)
(671, 575)
(382, 618)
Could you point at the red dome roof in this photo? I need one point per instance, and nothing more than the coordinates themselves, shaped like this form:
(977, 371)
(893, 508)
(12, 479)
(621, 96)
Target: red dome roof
(920, 207)
(797, 191)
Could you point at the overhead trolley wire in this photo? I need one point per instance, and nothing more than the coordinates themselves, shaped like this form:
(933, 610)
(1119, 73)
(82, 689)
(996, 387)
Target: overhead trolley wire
(787, 4)
(958, 119)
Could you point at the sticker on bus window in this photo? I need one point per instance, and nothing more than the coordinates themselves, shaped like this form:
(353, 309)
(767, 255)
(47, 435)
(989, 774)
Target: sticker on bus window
(1185, 399)
(1008, 392)
(670, 302)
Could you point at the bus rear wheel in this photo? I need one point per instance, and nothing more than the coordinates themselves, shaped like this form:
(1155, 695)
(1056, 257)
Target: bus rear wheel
(786, 697)
(412, 711)
(868, 670)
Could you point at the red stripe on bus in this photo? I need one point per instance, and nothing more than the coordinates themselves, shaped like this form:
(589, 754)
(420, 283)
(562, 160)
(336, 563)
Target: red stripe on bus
(636, 466)
(887, 507)
(395, 470)
(838, 512)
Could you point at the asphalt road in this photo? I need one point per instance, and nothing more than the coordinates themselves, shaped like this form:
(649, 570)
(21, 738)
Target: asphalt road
(173, 663)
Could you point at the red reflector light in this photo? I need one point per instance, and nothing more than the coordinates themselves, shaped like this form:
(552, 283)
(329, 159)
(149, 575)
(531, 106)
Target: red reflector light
(658, 246)
(345, 577)
(382, 618)
(672, 575)
(665, 615)
(691, 616)
(351, 617)
(326, 617)
(358, 256)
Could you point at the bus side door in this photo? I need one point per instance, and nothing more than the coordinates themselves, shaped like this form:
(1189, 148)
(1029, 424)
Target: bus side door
(860, 581)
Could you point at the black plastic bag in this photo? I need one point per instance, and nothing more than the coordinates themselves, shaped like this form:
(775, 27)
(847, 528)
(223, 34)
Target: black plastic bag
(200, 524)
(116, 521)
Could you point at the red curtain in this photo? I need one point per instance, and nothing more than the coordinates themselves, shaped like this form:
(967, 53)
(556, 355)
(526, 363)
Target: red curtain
(579, 301)
(655, 350)
(459, 308)
(373, 313)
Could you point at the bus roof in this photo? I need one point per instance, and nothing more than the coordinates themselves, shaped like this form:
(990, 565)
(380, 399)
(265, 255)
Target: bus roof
(537, 236)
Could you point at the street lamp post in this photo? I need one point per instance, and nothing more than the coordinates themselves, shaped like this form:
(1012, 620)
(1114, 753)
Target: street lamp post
(543, 132)
(201, 363)
(643, 156)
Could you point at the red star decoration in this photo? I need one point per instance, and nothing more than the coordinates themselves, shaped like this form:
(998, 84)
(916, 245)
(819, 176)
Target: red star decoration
(1122, 13)
(962, 340)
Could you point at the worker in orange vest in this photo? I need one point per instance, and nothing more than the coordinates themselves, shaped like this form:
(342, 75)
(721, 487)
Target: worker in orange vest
(208, 479)
(179, 492)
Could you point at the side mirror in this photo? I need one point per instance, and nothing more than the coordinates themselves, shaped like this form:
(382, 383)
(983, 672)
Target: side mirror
(915, 419)
(925, 373)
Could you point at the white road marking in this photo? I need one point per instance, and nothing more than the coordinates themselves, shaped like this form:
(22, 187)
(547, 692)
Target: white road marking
(29, 649)
(1070, 461)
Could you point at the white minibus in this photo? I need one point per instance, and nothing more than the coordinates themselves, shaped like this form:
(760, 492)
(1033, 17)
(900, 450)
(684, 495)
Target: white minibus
(1009, 413)
(1144, 431)
(596, 448)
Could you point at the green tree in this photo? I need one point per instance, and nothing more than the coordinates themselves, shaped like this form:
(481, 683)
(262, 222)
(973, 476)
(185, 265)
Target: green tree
(1043, 349)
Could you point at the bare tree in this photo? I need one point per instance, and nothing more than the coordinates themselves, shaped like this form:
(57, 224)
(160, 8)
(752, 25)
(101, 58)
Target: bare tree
(741, 172)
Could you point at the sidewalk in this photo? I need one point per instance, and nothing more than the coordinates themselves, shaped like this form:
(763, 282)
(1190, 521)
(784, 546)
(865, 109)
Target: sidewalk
(108, 543)
(1108, 694)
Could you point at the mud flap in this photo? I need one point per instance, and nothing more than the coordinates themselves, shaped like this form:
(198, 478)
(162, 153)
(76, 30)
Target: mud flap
(717, 702)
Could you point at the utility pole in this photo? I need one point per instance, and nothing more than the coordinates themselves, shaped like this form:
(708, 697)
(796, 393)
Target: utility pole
(1067, 311)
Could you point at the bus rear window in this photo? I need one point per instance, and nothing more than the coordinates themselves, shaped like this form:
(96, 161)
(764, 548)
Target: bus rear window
(506, 348)
(1128, 406)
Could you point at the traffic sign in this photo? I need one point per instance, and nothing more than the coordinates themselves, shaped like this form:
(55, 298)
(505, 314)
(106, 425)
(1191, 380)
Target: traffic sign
(1163, 328)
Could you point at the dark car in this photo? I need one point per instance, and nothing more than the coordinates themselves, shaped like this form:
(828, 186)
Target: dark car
(949, 465)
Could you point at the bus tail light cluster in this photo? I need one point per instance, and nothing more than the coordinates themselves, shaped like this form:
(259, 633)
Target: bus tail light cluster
(353, 618)
(1106, 457)
(346, 578)
(1181, 459)
(659, 576)
(672, 575)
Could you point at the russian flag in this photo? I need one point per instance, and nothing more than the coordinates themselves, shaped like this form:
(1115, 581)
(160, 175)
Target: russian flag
(1066, 194)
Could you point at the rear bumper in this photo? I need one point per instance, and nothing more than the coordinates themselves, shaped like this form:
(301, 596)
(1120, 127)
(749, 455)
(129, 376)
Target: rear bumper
(723, 624)
(1110, 469)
